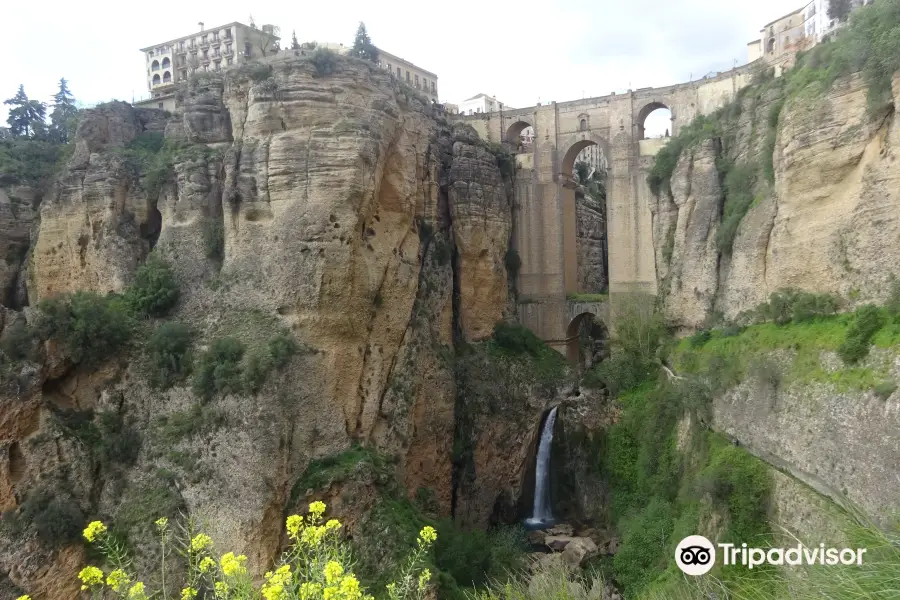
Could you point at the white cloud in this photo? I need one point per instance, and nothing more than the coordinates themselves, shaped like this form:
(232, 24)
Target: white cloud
(519, 52)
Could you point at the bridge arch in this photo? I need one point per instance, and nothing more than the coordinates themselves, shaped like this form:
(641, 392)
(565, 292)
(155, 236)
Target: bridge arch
(646, 111)
(515, 130)
(584, 330)
(575, 144)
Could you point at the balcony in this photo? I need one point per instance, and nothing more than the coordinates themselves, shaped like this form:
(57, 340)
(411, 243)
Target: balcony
(204, 44)
(181, 50)
(215, 42)
(227, 51)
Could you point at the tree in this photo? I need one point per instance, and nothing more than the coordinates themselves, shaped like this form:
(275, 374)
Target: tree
(839, 9)
(363, 46)
(295, 45)
(27, 118)
(62, 119)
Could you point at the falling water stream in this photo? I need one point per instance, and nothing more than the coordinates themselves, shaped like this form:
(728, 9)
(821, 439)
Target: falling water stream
(542, 514)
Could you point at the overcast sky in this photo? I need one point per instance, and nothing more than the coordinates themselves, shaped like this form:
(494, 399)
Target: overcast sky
(521, 52)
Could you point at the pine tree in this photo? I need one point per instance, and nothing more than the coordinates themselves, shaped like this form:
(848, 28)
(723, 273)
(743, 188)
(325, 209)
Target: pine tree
(294, 43)
(62, 119)
(27, 118)
(363, 46)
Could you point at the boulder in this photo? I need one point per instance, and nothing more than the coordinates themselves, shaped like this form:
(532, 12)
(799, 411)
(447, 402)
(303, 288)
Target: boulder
(561, 529)
(579, 550)
(557, 543)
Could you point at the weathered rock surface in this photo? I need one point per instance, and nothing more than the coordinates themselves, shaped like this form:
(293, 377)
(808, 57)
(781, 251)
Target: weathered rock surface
(18, 208)
(829, 223)
(590, 229)
(346, 215)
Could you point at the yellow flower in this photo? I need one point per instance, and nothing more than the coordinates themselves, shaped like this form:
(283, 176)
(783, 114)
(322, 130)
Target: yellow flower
(317, 508)
(274, 587)
(206, 565)
(137, 592)
(330, 593)
(350, 588)
(310, 591)
(161, 523)
(311, 536)
(333, 571)
(94, 530)
(90, 576)
(427, 535)
(24, 598)
(221, 589)
(332, 524)
(424, 578)
(117, 580)
(201, 542)
(188, 593)
(233, 565)
(294, 523)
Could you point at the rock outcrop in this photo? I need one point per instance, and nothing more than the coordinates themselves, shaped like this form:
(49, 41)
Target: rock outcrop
(333, 207)
(828, 224)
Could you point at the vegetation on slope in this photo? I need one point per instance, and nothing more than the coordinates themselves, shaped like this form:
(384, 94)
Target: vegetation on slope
(868, 46)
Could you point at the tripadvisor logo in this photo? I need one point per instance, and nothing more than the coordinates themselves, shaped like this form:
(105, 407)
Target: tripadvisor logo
(696, 555)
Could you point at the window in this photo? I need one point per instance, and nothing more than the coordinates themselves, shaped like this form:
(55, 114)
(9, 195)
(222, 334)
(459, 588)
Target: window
(218, 66)
(154, 65)
(425, 84)
(247, 49)
(407, 77)
(399, 73)
(159, 104)
(417, 81)
(584, 125)
(433, 87)
(166, 63)
(389, 67)
(181, 45)
(228, 61)
(206, 54)
(203, 39)
(156, 79)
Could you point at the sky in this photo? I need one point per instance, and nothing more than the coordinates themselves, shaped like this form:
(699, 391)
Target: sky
(521, 52)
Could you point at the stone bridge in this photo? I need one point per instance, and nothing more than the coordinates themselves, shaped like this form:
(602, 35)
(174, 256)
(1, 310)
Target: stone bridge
(545, 218)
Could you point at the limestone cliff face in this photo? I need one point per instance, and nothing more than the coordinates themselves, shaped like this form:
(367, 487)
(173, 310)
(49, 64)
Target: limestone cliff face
(828, 224)
(348, 215)
(18, 209)
(590, 227)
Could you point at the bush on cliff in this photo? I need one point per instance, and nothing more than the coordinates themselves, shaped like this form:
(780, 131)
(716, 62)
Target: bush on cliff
(169, 352)
(155, 290)
(91, 327)
(867, 320)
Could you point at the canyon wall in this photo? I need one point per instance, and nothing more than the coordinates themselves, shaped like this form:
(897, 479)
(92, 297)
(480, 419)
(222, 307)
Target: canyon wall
(333, 206)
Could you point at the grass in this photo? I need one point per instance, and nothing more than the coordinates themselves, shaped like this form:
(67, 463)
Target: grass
(324, 471)
(572, 297)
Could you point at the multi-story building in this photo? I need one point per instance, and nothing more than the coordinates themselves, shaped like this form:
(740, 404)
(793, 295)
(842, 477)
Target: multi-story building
(451, 109)
(212, 49)
(781, 39)
(593, 156)
(414, 76)
(481, 103)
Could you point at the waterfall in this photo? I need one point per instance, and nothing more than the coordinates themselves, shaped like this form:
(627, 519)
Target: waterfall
(541, 514)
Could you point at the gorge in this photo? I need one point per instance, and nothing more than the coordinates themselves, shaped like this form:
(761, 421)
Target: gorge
(311, 285)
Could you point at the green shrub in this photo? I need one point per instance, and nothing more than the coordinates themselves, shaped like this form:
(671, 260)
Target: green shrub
(281, 348)
(639, 558)
(739, 181)
(169, 352)
(17, 341)
(790, 305)
(698, 339)
(56, 517)
(517, 339)
(474, 558)
(255, 371)
(884, 389)
(28, 161)
(867, 320)
(155, 290)
(893, 303)
(91, 327)
(185, 423)
(324, 61)
(338, 467)
(219, 368)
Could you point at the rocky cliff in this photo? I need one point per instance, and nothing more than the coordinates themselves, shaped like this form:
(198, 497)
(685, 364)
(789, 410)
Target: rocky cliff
(826, 222)
(332, 206)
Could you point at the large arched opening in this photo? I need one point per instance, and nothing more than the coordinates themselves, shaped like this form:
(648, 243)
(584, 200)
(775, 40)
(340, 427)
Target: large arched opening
(586, 341)
(655, 120)
(514, 135)
(583, 193)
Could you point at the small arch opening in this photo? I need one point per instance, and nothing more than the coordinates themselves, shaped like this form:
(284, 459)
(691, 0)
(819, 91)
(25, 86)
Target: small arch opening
(156, 79)
(583, 125)
(167, 77)
(154, 66)
(586, 341)
(655, 121)
(521, 135)
(166, 63)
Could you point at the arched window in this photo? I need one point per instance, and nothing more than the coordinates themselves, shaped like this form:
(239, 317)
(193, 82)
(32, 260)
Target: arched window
(167, 77)
(771, 46)
(154, 66)
(583, 126)
(156, 79)
(165, 63)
